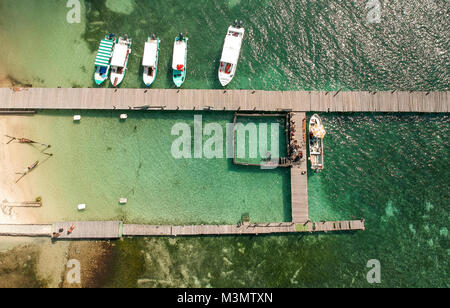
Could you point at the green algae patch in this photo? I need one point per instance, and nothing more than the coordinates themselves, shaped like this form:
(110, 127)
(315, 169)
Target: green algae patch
(121, 6)
(128, 263)
(301, 228)
(18, 268)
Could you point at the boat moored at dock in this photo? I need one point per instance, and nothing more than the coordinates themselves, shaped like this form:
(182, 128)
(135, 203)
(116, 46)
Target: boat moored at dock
(103, 59)
(179, 60)
(316, 135)
(119, 62)
(230, 53)
(150, 60)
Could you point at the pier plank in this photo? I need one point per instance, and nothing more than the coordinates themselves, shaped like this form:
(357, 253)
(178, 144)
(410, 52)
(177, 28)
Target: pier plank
(88, 230)
(299, 176)
(244, 100)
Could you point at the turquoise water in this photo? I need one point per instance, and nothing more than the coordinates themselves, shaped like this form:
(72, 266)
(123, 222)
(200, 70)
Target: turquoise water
(391, 169)
(101, 159)
(264, 140)
(289, 45)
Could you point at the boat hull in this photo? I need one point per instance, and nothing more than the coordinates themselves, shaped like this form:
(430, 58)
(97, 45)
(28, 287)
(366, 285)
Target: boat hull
(116, 79)
(316, 147)
(180, 76)
(230, 54)
(226, 78)
(147, 78)
(103, 60)
(100, 78)
(118, 73)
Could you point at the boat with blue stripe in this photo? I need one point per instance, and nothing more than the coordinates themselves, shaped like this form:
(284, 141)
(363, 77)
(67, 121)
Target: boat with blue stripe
(103, 58)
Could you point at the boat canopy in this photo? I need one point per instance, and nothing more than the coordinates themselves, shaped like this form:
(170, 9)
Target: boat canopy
(150, 52)
(120, 55)
(104, 53)
(231, 49)
(179, 55)
(318, 131)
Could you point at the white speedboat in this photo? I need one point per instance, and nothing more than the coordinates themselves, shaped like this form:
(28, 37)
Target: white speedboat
(316, 135)
(119, 62)
(230, 53)
(150, 60)
(179, 60)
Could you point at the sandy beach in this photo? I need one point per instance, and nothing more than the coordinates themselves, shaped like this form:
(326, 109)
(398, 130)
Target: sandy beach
(15, 157)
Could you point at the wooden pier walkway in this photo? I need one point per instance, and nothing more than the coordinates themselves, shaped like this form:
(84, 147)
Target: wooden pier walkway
(26, 230)
(22, 204)
(329, 226)
(87, 230)
(299, 174)
(236, 100)
(109, 230)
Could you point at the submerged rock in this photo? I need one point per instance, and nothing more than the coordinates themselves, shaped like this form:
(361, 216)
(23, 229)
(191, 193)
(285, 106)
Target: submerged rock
(120, 6)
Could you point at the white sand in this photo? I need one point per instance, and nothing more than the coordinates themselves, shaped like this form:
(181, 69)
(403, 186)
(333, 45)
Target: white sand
(14, 159)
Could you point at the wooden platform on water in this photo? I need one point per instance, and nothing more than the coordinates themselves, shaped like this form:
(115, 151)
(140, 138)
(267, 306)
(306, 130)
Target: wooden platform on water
(22, 204)
(26, 230)
(108, 230)
(88, 230)
(299, 174)
(331, 226)
(243, 229)
(236, 100)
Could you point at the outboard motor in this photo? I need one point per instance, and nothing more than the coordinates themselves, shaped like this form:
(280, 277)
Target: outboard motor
(126, 36)
(240, 24)
(181, 36)
(111, 35)
(235, 24)
(153, 36)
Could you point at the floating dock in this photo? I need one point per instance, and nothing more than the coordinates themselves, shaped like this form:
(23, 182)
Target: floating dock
(234, 100)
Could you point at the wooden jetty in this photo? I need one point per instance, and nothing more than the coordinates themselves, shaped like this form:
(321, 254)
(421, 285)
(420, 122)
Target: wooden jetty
(237, 100)
(26, 230)
(241, 229)
(87, 230)
(22, 204)
(109, 230)
(299, 174)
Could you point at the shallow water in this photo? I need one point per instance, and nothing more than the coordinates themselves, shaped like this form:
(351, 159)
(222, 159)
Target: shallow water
(376, 168)
(102, 159)
(289, 45)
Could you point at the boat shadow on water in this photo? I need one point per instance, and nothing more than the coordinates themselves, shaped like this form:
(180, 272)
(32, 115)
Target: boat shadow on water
(214, 75)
